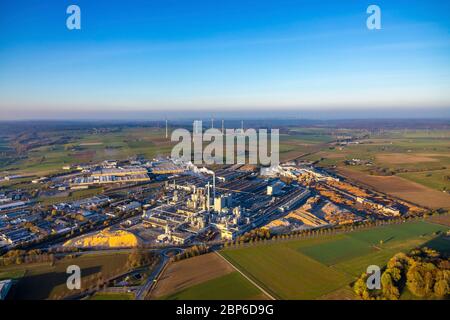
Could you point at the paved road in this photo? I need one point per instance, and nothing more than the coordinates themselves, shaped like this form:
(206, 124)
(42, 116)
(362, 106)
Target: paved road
(245, 276)
(144, 290)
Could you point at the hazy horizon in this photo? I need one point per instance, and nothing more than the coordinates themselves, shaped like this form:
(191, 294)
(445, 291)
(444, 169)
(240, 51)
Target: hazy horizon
(138, 115)
(317, 59)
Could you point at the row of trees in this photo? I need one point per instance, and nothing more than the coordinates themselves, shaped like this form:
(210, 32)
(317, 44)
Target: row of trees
(423, 272)
(140, 257)
(191, 252)
(17, 257)
(263, 235)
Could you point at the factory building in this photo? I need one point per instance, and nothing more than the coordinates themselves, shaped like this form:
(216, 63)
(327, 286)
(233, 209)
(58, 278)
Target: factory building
(275, 189)
(223, 201)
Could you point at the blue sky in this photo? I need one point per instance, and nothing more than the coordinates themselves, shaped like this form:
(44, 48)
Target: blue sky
(167, 55)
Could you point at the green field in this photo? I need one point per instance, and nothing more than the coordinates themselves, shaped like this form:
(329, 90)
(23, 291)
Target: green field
(44, 281)
(334, 251)
(438, 179)
(315, 268)
(310, 143)
(391, 234)
(232, 286)
(420, 156)
(441, 244)
(279, 269)
(85, 147)
(13, 274)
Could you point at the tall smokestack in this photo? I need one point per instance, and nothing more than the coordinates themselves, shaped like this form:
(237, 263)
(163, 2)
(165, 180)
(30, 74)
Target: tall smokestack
(223, 127)
(167, 129)
(208, 200)
(214, 186)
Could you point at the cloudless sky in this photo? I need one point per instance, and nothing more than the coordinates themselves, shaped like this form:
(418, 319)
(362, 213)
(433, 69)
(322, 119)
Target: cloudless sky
(162, 55)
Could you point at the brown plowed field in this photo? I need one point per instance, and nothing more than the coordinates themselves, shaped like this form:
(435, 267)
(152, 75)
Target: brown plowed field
(443, 219)
(402, 158)
(186, 273)
(401, 188)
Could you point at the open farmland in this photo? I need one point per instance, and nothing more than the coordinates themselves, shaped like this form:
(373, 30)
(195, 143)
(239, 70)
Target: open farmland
(437, 179)
(303, 141)
(396, 233)
(441, 219)
(325, 266)
(279, 269)
(82, 146)
(203, 277)
(46, 152)
(400, 188)
(402, 160)
(45, 281)
(330, 252)
(232, 286)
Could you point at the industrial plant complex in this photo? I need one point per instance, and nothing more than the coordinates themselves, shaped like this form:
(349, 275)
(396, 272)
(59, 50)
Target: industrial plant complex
(192, 204)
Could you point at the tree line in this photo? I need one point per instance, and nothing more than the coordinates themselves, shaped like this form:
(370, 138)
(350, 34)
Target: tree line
(423, 272)
(18, 257)
(191, 252)
(263, 235)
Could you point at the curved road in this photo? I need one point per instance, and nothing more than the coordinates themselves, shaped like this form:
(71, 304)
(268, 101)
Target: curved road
(145, 289)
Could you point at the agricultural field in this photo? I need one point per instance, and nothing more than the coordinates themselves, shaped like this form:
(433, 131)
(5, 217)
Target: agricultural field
(400, 188)
(420, 156)
(85, 147)
(437, 179)
(232, 286)
(440, 219)
(66, 147)
(277, 268)
(13, 274)
(413, 165)
(46, 281)
(326, 266)
(340, 248)
(303, 141)
(203, 277)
